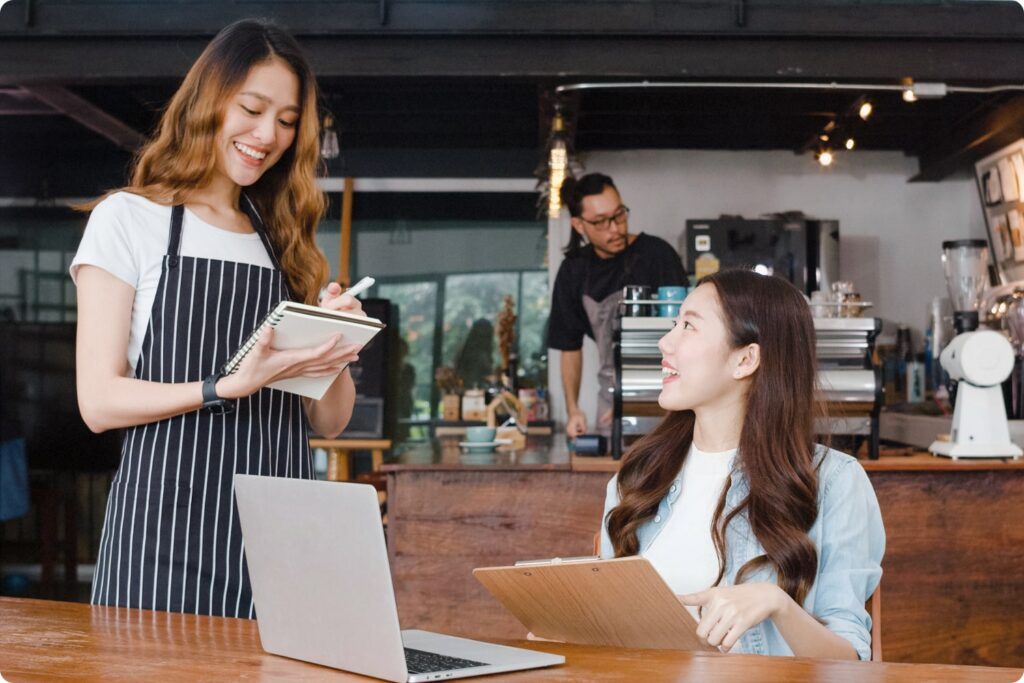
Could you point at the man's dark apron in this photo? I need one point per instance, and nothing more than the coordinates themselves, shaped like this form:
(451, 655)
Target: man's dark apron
(171, 539)
(602, 316)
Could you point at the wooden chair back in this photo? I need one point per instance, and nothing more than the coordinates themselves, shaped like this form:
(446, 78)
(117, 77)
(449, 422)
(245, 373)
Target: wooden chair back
(874, 608)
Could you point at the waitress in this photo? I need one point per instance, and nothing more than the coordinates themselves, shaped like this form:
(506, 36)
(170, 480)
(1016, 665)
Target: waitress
(173, 273)
(601, 258)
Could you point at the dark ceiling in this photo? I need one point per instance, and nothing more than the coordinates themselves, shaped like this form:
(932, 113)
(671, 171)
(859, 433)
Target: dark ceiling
(477, 101)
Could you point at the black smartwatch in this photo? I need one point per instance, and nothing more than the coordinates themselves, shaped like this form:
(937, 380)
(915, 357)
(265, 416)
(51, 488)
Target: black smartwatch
(211, 401)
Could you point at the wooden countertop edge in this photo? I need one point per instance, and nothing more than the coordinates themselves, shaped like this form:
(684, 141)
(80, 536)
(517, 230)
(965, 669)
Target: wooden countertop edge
(926, 462)
(456, 467)
(916, 462)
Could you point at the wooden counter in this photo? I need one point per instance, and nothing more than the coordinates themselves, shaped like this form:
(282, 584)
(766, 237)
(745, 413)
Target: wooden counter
(953, 583)
(45, 641)
(445, 454)
(913, 461)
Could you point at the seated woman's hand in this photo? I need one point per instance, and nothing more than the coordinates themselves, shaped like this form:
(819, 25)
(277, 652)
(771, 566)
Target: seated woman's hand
(336, 300)
(264, 364)
(727, 612)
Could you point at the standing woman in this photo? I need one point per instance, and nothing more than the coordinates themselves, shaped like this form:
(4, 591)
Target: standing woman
(173, 273)
(773, 542)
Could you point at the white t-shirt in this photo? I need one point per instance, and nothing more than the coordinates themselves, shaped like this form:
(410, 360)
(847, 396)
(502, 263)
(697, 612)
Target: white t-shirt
(683, 552)
(127, 236)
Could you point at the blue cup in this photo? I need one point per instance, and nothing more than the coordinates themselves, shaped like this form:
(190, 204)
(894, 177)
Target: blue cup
(480, 434)
(676, 294)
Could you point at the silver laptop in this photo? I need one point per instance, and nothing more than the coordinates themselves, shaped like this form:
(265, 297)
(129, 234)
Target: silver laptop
(322, 587)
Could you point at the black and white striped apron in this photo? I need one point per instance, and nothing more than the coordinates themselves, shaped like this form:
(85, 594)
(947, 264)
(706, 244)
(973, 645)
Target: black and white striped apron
(171, 539)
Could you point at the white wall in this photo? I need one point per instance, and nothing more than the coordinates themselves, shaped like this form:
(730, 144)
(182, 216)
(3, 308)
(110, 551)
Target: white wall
(891, 231)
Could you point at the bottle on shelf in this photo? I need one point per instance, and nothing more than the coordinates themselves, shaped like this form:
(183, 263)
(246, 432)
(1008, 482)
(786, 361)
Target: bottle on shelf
(904, 354)
(915, 379)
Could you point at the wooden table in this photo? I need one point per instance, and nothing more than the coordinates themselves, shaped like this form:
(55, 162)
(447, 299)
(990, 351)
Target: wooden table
(953, 583)
(339, 464)
(46, 640)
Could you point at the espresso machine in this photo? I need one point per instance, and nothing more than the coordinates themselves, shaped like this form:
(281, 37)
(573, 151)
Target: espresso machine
(978, 360)
(850, 384)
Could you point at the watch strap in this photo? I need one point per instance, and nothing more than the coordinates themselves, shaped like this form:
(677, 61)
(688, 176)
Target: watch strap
(210, 389)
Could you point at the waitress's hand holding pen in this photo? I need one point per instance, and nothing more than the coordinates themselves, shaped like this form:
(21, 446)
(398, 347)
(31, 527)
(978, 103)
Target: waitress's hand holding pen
(334, 298)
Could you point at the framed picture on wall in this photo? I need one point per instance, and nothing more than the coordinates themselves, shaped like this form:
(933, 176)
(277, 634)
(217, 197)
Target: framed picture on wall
(1000, 178)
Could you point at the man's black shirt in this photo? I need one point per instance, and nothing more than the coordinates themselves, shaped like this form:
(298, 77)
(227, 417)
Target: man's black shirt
(647, 261)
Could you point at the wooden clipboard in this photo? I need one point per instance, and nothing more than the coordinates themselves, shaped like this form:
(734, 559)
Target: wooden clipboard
(622, 602)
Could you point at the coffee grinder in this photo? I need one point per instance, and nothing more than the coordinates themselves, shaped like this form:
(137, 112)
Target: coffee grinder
(965, 264)
(979, 360)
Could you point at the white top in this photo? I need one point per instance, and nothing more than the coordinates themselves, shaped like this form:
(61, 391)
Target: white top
(683, 552)
(127, 236)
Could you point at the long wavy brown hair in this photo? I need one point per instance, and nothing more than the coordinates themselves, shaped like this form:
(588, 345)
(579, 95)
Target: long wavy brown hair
(177, 159)
(776, 449)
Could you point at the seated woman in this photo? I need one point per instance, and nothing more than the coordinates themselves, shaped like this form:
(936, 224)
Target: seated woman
(772, 541)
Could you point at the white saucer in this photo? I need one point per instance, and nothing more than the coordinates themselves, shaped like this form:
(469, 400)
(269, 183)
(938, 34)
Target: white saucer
(485, 444)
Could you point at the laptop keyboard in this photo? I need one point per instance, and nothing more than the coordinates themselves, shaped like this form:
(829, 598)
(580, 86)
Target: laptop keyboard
(420, 662)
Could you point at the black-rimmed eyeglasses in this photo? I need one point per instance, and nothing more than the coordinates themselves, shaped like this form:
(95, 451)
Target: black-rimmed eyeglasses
(601, 224)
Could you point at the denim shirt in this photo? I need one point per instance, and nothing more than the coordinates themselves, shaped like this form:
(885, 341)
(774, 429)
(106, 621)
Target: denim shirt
(848, 535)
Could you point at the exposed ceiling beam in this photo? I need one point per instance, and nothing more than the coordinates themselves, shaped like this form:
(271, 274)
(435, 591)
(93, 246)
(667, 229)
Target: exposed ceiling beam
(88, 114)
(18, 102)
(850, 18)
(972, 142)
(79, 60)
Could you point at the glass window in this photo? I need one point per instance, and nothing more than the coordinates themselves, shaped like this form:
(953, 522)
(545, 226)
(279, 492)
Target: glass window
(459, 332)
(447, 261)
(471, 306)
(535, 305)
(416, 303)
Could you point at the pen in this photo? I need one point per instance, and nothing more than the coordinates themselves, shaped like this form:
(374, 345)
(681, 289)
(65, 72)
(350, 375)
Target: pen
(357, 288)
(361, 286)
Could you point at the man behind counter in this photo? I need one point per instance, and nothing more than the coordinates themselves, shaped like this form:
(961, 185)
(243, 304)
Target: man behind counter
(600, 259)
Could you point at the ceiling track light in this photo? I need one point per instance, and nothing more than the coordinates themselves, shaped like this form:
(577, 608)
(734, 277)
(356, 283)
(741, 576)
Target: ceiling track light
(864, 108)
(840, 131)
(922, 90)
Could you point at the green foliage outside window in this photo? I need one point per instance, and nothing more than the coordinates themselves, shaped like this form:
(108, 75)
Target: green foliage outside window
(465, 320)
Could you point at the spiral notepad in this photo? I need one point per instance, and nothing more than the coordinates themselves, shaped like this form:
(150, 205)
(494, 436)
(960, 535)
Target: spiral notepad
(301, 326)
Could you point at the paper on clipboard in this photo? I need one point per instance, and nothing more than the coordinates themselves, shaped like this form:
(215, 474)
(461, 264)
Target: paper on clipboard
(621, 602)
